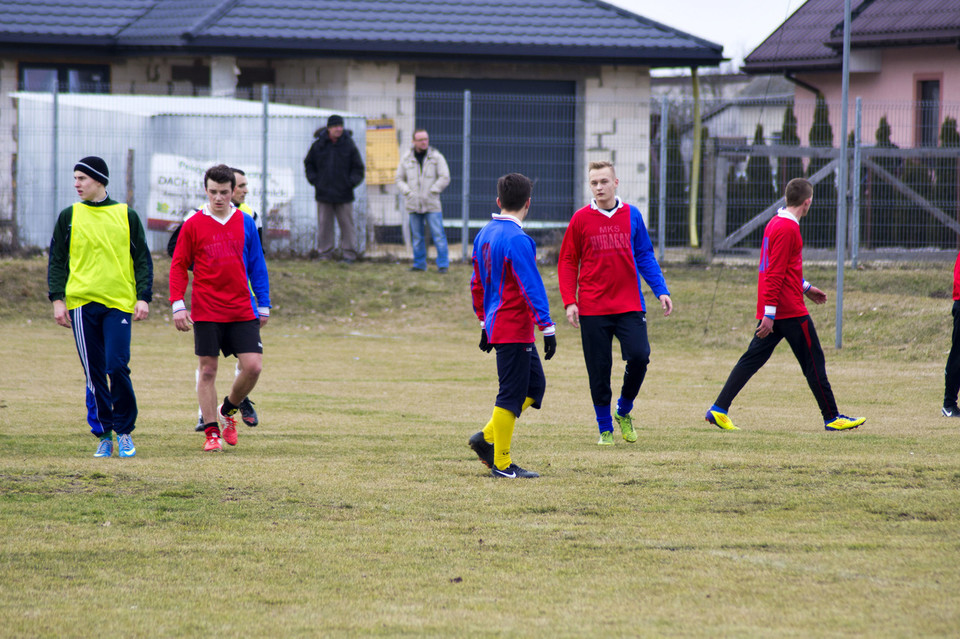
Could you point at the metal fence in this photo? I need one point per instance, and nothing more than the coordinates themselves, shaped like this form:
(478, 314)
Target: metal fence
(157, 145)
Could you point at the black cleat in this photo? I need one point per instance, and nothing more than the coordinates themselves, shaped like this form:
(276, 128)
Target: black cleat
(514, 472)
(200, 427)
(248, 413)
(483, 450)
(950, 411)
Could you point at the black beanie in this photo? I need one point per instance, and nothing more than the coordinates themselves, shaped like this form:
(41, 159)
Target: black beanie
(334, 120)
(94, 167)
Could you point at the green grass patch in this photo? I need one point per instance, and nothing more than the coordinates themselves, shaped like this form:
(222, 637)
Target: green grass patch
(357, 509)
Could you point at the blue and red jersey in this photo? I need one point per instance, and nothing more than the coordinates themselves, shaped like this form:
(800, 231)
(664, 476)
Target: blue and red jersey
(603, 256)
(227, 261)
(508, 293)
(780, 277)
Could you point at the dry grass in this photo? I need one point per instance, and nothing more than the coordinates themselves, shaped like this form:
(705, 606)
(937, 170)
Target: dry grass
(356, 508)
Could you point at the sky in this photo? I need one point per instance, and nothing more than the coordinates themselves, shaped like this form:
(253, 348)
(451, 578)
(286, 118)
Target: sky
(739, 25)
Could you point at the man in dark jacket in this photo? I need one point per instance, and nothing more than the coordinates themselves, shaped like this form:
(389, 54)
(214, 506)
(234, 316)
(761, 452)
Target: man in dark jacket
(334, 168)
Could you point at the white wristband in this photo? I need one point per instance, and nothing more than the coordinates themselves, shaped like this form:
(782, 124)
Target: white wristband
(178, 306)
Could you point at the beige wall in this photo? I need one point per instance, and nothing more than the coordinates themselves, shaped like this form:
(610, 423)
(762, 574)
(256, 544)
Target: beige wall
(8, 144)
(616, 127)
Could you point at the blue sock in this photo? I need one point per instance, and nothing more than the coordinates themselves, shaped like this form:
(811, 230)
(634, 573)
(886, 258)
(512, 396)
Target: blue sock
(624, 407)
(718, 409)
(604, 420)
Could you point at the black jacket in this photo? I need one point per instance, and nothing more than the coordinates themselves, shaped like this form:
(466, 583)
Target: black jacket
(333, 169)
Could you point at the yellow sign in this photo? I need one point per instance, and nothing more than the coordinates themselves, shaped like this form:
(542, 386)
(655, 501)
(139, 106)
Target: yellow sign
(383, 154)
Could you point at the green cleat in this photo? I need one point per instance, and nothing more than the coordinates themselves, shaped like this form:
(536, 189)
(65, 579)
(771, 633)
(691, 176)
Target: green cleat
(720, 420)
(842, 422)
(626, 427)
(606, 438)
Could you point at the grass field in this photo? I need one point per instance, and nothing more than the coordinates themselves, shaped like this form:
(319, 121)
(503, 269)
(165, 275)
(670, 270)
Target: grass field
(356, 508)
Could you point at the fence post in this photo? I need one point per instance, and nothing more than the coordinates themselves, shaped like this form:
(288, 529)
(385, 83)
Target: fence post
(857, 177)
(662, 214)
(465, 194)
(265, 99)
(56, 142)
(842, 168)
(709, 198)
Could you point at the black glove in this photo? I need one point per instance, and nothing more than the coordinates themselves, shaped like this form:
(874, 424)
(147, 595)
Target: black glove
(549, 346)
(485, 346)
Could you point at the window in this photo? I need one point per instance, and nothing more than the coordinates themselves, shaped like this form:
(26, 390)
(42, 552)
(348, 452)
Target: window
(71, 78)
(928, 112)
(197, 75)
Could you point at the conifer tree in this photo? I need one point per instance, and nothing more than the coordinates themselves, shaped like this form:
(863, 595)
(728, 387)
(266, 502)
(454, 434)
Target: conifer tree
(760, 190)
(788, 168)
(947, 198)
(822, 226)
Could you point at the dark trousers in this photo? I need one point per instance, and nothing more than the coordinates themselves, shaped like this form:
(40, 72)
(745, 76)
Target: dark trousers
(951, 374)
(102, 336)
(802, 337)
(596, 335)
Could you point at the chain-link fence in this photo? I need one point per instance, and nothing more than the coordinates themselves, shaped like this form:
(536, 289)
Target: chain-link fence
(158, 144)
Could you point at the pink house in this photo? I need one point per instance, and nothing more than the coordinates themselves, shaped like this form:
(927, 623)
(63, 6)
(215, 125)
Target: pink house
(904, 64)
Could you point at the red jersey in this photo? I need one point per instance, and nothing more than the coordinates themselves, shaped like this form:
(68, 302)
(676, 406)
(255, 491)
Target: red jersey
(602, 257)
(956, 278)
(780, 281)
(227, 261)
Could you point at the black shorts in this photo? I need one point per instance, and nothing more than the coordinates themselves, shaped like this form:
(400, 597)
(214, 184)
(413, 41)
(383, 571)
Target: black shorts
(521, 376)
(232, 338)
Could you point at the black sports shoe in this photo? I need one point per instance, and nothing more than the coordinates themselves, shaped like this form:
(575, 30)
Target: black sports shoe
(483, 450)
(200, 427)
(248, 413)
(950, 411)
(513, 472)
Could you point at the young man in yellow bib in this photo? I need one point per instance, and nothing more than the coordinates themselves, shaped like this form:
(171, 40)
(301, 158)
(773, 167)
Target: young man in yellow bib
(100, 277)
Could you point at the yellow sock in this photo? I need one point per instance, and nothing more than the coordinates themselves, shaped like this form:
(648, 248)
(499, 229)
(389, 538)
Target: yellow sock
(488, 431)
(503, 421)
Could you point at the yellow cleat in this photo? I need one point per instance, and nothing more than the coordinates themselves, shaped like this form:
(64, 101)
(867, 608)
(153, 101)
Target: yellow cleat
(720, 420)
(606, 438)
(842, 422)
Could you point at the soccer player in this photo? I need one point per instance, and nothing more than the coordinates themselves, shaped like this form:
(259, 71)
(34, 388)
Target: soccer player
(509, 298)
(100, 276)
(782, 314)
(605, 251)
(247, 412)
(222, 245)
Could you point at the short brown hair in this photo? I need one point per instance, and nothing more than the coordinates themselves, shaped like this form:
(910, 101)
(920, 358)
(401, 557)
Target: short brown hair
(415, 131)
(513, 191)
(798, 191)
(601, 164)
(220, 174)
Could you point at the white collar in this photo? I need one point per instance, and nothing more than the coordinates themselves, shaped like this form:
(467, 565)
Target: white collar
(784, 213)
(617, 204)
(223, 221)
(507, 216)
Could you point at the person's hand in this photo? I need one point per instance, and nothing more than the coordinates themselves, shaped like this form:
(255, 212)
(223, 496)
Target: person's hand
(549, 346)
(60, 314)
(263, 320)
(181, 319)
(666, 304)
(766, 327)
(140, 311)
(573, 315)
(485, 346)
(816, 295)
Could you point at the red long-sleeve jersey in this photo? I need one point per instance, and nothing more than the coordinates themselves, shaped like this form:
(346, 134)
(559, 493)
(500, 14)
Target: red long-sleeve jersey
(227, 262)
(956, 278)
(780, 281)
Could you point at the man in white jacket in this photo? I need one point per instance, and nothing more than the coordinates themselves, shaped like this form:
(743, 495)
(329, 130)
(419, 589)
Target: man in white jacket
(422, 175)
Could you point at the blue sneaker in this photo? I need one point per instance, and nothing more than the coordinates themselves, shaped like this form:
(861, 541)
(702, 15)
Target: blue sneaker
(125, 446)
(105, 447)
